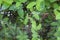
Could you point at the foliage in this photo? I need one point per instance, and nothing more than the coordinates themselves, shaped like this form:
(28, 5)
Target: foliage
(29, 19)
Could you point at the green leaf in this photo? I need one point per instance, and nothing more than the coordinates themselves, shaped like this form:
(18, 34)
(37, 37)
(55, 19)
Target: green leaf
(1, 17)
(38, 27)
(35, 35)
(33, 24)
(22, 1)
(18, 4)
(55, 5)
(40, 5)
(5, 20)
(34, 27)
(57, 14)
(5, 6)
(0, 2)
(13, 7)
(30, 5)
(20, 12)
(36, 16)
(52, 0)
(47, 5)
(59, 8)
(8, 1)
(58, 38)
(57, 34)
(54, 23)
(22, 36)
(26, 19)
